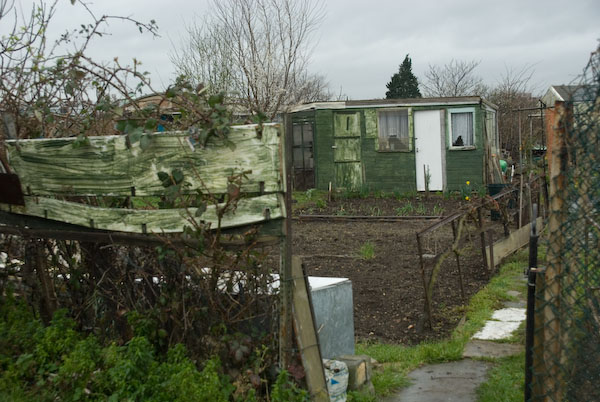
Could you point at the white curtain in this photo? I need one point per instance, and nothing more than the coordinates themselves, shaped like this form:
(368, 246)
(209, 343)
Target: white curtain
(393, 130)
(393, 124)
(462, 129)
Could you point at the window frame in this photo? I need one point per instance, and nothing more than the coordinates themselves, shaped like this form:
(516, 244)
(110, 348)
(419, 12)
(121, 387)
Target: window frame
(463, 147)
(409, 126)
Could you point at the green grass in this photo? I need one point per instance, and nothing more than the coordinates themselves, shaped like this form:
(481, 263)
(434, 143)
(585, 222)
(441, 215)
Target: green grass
(367, 251)
(505, 381)
(397, 360)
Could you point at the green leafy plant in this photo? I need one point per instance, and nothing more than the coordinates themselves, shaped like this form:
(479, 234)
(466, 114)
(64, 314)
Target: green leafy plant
(62, 363)
(420, 209)
(285, 390)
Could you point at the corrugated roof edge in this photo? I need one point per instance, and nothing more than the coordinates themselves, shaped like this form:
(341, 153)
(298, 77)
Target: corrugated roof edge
(352, 104)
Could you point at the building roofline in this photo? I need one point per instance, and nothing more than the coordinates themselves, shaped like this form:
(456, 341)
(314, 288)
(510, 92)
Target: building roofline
(386, 103)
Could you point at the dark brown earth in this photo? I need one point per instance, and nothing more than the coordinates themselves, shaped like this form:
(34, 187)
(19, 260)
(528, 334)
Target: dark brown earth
(388, 289)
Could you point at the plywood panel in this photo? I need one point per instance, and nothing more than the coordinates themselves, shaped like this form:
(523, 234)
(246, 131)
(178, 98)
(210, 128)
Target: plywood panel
(346, 150)
(348, 175)
(346, 124)
(249, 211)
(108, 166)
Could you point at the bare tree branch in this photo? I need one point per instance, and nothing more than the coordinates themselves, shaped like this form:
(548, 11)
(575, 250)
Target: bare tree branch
(257, 52)
(456, 78)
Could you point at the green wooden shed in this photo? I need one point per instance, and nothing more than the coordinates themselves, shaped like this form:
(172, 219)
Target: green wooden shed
(392, 144)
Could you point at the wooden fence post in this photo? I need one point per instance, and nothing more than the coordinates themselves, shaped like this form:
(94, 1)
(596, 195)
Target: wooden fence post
(285, 274)
(552, 354)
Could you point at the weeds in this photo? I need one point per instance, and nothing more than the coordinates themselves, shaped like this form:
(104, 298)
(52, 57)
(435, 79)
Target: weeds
(438, 210)
(367, 251)
(408, 195)
(380, 194)
(375, 211)
(406, 209)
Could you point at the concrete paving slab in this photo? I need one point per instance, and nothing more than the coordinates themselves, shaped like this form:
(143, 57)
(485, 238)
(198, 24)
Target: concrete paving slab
(516, 304)
(477, 348)
(509, 314)
(513, 293)
(445, 382)
(494, 330)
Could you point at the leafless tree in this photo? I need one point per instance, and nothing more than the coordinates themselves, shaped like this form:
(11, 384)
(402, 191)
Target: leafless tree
(256, 51)
(513, 93)
(53, 88)
(456, 78)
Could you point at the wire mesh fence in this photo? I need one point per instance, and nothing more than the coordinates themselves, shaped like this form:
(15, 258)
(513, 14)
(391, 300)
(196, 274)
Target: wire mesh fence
(566, 351)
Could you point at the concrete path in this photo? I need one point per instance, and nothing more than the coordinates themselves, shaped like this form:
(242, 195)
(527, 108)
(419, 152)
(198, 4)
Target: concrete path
(445, 382)
(458, 381)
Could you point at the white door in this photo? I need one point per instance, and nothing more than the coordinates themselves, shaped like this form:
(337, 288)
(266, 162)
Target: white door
(428, 149)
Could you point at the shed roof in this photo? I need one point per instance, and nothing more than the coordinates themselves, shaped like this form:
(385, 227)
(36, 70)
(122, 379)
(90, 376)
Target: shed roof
(378, 103)
(566, 93)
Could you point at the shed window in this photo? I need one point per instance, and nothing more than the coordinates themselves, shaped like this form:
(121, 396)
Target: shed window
(302, 155)
(461, 129)
(393, 130)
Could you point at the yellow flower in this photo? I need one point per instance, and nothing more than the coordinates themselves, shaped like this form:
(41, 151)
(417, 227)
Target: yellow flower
(467, 198)
(468, 183)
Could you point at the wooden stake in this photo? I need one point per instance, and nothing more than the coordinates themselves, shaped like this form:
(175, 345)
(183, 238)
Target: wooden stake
(460, 278)
(482, 238)
(425, 287)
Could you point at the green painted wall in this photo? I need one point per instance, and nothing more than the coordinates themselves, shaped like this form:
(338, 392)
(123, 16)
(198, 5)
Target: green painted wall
(394, 171)
(463, 165)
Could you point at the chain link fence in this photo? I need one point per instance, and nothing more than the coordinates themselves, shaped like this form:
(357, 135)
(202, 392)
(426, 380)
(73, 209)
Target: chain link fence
(566, 351)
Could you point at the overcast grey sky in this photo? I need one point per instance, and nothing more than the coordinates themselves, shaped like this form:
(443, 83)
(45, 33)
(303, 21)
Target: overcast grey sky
(360, 44)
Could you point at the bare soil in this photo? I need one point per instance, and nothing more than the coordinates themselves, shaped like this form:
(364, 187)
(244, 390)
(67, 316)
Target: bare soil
(388, 288)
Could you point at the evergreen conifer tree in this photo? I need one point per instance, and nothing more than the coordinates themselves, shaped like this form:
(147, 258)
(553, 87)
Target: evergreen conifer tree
(403, 84)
